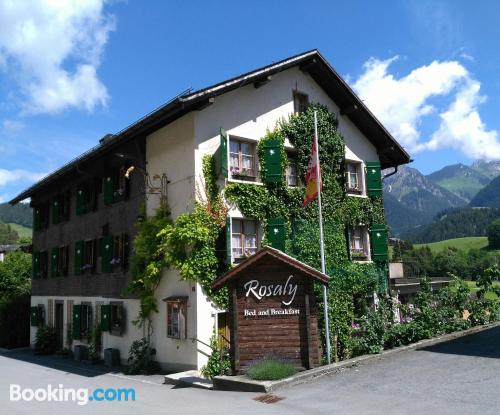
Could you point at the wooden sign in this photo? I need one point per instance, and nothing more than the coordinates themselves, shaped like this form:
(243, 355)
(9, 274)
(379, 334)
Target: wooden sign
(272, 310)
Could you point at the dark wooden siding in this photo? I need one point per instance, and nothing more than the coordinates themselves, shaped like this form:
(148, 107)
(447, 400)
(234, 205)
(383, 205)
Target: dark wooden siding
(120, 217)
(280, 336)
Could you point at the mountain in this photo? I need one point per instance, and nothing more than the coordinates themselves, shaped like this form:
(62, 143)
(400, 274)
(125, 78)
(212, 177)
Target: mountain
(490, 169)
(22, 214)
(410, 194)
(461, 180)
(489, 196)
(456, 223)
(400, 217)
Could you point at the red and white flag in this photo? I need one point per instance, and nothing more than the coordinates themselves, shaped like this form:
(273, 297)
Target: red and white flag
(311, 177)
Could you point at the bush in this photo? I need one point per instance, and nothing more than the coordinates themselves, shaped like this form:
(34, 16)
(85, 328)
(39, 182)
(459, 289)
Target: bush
(46, 340)
(218, 363)
(271, 369)
(140, 358)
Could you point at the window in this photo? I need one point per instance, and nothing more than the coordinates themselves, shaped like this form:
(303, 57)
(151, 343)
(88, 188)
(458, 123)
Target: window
(44, 264)
(353, 177)
(176, 317)
(41, 216)
(85, 321)
(120, 251)
(242, 160)
(243, 238)
(300, 102)
(41, 314)
(358, 242)
(62, 261)
(86, 196)
(116, 319)
(60, 207)
(291, 172)
(89, 255)
(120, 183)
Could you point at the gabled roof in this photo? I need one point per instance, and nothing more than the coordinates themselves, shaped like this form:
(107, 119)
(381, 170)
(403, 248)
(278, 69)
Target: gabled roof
(276, 254)
(390, 152)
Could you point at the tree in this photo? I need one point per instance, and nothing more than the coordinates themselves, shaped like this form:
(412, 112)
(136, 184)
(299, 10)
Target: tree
(449, 260)
(494, 234)
(15, 275)
(8, 235)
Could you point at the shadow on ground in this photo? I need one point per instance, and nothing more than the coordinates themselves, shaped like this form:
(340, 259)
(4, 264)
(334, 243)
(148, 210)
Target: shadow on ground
(483, 344)
(60, 363)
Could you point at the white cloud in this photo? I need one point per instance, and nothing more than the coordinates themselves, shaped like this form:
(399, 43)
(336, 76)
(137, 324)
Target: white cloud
(52, 49)
(404, 104)
(12, 126)
(10, 176)
(462, 128)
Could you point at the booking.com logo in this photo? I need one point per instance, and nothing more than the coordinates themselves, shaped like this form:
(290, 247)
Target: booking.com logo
(82, 396)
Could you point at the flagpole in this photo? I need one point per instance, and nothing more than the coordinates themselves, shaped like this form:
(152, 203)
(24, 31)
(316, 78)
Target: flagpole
(321, 239)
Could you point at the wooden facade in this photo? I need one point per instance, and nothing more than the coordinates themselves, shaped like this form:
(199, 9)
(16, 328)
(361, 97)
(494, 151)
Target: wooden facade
(272, 310)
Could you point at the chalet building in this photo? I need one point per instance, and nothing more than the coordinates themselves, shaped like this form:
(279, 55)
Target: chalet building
(85, 212)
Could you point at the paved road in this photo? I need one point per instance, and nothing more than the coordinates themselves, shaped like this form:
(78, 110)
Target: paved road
(459, 377)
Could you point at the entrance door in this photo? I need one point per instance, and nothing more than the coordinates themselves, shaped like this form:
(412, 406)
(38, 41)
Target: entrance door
(59, 325)
(223, 334)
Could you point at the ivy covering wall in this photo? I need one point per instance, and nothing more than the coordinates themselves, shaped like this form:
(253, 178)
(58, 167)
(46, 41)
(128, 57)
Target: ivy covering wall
(351, 283)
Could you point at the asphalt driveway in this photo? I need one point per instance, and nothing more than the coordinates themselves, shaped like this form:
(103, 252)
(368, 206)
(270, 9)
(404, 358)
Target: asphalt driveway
(457, 377)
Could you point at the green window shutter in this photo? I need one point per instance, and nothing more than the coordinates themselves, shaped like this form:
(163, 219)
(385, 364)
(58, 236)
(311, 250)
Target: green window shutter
(105, 310)
(34, 316)
(36, 265)
(54, 261)
(223, 153)
(378, 239)
(78, 257)
(276, 233)
(36, 218)
(76, 321)
(56, 212)
(108, 189)
(272, 161)
(229, 258)
(80, 201)
(373, 178)
(106, 253)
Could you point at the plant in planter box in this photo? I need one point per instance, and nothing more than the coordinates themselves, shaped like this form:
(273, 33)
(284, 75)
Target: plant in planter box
(271, 368)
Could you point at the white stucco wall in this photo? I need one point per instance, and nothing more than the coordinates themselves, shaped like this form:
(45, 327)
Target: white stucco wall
(249, 112)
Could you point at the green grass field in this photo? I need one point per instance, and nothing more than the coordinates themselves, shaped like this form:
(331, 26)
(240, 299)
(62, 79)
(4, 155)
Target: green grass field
(465, 244)
(21, 230)
(472, 285)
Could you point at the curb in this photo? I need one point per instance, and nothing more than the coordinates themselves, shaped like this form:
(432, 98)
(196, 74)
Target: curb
(242, 383)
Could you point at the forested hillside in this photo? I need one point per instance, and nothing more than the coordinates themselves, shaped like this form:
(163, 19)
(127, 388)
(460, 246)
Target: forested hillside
(21, 214)
(456, 223)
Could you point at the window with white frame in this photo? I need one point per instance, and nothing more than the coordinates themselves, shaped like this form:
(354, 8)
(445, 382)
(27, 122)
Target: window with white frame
(292, 172)
(244, 238)
(358, 238)
(354, 178)
(242, 160)
(177, 317)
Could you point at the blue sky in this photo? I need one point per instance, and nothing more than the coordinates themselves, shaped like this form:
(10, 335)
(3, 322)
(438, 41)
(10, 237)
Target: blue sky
(72, 72)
